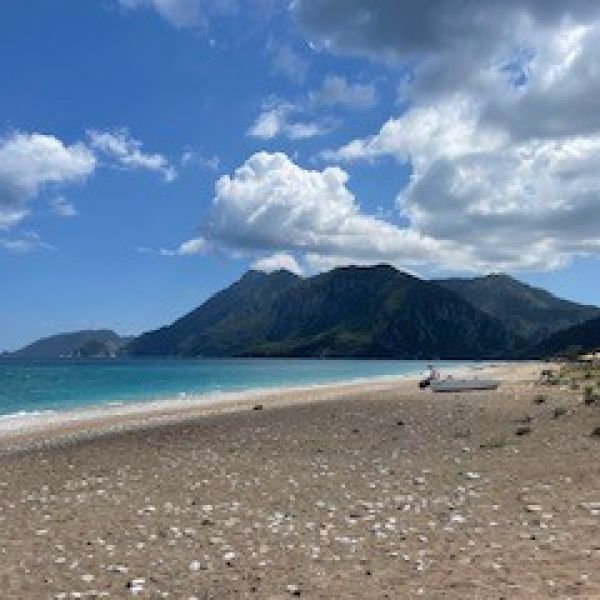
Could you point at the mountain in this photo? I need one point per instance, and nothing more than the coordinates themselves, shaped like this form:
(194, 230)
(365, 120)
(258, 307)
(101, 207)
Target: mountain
(584, 337)
(347, 312)
(367, 312)
(224, 325)
(100, 343)
(528, 312)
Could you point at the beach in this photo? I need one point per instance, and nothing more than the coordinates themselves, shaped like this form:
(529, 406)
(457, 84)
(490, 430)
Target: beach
(373, 489)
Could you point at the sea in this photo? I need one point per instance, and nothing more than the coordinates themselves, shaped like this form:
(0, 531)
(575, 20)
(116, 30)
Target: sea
(33, 387)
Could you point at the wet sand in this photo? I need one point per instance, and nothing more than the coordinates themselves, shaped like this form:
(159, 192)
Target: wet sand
(373, 490)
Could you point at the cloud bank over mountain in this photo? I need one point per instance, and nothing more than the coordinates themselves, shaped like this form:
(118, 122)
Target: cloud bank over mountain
(500, 129)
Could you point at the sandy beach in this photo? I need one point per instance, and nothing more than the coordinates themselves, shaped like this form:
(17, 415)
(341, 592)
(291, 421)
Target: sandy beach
(367, 490)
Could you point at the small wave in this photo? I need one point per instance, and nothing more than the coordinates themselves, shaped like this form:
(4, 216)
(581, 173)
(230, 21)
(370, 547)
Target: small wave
(25, 414)
(23, 419)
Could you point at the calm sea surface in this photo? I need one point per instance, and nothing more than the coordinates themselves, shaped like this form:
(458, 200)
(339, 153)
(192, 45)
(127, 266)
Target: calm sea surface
(59, 385)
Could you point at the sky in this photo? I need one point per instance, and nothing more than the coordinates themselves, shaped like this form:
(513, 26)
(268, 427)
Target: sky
(151, 151)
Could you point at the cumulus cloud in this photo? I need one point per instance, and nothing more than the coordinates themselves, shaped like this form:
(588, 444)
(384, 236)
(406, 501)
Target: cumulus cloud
(270, 204)
(528, 205)
(119, 146)
(450, 129)
(277, 262)
(501, 129)
(513, 204)
(30, 162)
(34, 163)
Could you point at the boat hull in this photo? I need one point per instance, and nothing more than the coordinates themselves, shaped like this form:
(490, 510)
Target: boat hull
(463, 385)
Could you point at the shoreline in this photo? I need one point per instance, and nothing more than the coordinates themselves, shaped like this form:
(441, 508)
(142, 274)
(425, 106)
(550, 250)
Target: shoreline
(47, 426)
(22, 430)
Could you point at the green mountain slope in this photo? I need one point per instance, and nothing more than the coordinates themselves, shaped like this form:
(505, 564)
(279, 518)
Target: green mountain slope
(225, 324)
(351, 311)
(584, 336)
(528, 312)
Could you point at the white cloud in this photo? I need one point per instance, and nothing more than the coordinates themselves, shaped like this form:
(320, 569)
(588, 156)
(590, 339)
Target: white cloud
(270, 122)
(335, 90)
(502, 130)
(181, 13)
(277, 119)
(448, 129)
(302, 118)
(62, 208)
(30, 162)
(188, 248)
(191, 247)
(528, 205)
(127, 152)
(277, 262)
(510, 204)
(185, 13)
(270, 204)
(301, 130)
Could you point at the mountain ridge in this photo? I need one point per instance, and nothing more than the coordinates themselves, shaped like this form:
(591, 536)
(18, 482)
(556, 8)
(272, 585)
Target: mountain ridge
(368, 312)
(352, 311)
(581, 338)
(533, 313)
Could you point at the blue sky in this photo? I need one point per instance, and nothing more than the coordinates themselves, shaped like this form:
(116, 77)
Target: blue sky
(151, 152)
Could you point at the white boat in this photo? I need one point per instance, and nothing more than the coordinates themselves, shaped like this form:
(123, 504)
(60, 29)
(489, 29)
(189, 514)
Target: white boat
(449, 384)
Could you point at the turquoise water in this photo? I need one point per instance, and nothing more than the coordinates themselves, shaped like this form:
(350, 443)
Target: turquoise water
(59, 385)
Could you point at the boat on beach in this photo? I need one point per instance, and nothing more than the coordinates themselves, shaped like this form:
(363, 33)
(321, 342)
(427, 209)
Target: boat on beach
(449, 384)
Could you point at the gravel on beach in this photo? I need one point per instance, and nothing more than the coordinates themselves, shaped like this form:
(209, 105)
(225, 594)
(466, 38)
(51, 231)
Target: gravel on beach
(388, 492)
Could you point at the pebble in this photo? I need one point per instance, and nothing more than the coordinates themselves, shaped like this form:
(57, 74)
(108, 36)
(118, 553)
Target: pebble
(136, 586)
(117, 569)
(456, 518)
